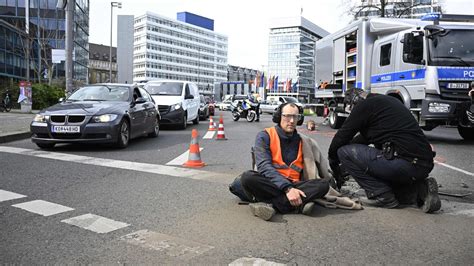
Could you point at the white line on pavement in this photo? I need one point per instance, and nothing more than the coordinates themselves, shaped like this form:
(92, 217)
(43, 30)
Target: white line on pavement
(181, 159)
(209, 135)
(454, 168)
(95, 223)
(127, 165)
(42, 207)
(7, 195)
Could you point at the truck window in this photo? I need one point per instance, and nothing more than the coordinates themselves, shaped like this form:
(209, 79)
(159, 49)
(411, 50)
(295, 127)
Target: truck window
(187, 91)
(385, 52)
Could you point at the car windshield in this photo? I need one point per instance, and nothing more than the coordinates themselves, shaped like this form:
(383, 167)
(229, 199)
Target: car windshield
(165, 88)
(101, 93)
(452, 48)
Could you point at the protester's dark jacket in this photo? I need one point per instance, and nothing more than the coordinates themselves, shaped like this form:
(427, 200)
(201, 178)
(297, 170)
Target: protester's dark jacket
(315, 164)
(380, 119)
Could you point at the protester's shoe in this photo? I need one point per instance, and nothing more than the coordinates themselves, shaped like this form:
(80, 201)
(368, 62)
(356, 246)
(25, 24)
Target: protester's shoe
(262, 210)
(307, 209)
(257, 120)
(428, 195)
(386, 200)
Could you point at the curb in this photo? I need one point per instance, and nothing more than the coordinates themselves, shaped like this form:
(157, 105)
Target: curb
(15, 136)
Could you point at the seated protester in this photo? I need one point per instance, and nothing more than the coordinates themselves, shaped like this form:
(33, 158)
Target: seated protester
(394, 170)
(292, 172)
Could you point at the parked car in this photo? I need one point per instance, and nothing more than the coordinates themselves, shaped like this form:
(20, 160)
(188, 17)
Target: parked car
(224, 105)
(271, 104)
(178, 101)
(203, 108)
(99, 113)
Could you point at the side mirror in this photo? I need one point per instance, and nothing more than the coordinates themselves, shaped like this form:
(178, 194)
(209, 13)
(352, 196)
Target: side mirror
(189, 96)
(140, 100)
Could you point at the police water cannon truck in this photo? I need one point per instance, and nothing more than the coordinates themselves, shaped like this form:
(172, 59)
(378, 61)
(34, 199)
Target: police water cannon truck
(426, 63)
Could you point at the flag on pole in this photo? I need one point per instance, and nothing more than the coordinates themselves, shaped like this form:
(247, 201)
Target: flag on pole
(276, 83)
(295, 87)
(262, 79)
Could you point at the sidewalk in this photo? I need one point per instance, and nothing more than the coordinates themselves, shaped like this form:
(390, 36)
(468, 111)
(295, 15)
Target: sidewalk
(15, 125)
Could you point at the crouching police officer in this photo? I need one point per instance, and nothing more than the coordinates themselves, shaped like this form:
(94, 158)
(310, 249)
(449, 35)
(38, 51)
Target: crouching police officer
(395, 168)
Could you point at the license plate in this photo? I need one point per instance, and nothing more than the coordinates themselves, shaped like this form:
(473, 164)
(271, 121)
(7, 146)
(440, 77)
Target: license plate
(458, 85)
(65, 129)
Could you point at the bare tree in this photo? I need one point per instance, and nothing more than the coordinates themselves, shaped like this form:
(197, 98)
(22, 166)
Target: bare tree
(382, 8)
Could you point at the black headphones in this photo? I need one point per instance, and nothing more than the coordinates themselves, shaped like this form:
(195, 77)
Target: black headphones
(277, 114)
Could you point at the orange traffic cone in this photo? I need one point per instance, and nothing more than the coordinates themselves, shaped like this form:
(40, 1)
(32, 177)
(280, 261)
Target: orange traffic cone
(194, 158)
(220, 130)
(211, 125)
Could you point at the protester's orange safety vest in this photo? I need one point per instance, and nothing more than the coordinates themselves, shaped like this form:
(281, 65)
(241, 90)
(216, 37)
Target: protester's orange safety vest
(294, 170)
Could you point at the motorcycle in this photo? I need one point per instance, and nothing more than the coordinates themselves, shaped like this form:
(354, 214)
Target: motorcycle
(243, 109)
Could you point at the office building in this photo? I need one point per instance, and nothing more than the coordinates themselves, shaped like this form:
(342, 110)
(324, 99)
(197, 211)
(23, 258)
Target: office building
(99, 64)
(291, 56)
(187, 48)
(46, 32)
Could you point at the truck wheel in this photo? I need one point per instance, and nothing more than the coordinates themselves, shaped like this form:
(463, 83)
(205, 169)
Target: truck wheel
(334, 120)
(467, 133)
(196, 121)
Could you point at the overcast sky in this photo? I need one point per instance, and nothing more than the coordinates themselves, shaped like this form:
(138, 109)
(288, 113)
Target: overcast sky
(245, 22)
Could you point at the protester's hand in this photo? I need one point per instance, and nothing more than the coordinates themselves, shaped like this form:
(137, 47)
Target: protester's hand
(294, 196)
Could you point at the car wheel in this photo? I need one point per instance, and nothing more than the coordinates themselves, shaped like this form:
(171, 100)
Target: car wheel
(184, 123)
(45, 145)
(196, 120)
(123, 136)
(156, 129)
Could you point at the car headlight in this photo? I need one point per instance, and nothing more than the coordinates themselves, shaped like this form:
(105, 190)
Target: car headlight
(104, 118)
(438, 107)
(176, 107)
(41, 118)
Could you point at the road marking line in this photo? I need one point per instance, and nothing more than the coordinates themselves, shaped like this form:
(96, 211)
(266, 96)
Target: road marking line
(253, 262)
(209, 135)
(42, 207)
(180, 160)
(454, 168)
(166, 244)
(95, 223)
(7, 195)
(126, 165)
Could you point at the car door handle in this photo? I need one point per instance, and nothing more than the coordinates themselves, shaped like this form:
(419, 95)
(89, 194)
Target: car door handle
(402, 76)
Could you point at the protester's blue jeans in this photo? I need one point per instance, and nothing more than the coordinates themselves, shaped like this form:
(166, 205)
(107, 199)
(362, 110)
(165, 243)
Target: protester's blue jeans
(374, 173)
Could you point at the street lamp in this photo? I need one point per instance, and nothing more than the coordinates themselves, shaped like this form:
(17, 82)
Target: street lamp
(112, 5)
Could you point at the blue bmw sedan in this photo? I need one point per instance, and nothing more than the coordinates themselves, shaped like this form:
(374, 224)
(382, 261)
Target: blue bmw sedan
(98, 113)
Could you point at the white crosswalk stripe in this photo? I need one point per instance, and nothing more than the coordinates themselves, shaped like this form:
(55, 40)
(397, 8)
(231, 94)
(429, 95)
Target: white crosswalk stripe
(42, 207)
(95, 223)
(7, 195)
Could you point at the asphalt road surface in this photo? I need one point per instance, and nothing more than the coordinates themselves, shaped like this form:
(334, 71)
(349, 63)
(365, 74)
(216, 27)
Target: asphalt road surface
(92, 204)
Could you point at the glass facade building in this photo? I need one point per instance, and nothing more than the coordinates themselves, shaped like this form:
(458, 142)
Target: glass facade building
(46, 31)
(164, 48)
(291, 55)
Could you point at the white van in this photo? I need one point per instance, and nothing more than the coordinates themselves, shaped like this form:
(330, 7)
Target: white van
(177, 101)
